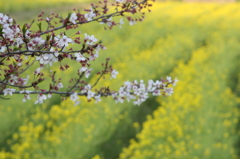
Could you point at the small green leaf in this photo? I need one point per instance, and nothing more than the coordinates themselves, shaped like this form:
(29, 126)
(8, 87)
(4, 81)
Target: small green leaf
(1, 30)
(24, 29)
(39, 26)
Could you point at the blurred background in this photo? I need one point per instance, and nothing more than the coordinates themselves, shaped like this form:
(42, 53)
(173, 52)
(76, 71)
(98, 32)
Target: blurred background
(197, 42)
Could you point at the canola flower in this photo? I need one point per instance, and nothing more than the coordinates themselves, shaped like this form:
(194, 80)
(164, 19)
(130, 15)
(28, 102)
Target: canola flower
(194, 123)
(200, 121)
(51, 131)
(199, 44)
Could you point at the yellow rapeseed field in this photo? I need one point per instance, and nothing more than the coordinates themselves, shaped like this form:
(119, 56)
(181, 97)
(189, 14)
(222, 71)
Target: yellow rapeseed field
(199, 43)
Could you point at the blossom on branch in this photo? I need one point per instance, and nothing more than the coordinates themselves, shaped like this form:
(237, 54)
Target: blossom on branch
(62, 42)
(90, 39)
(108, 21)
(90, 15)
(140, 91)
(46, 59)
(79, 57)
(88, 72)
(73, 18)
(36, 42)
(40, 99)
(121, 23)
(74, 97)
(114, 73)
(8, 91)
(120, 1)
(22, 48)
(132, 22)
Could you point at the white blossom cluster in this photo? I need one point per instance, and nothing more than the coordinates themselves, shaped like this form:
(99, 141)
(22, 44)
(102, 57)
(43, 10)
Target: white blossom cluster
(17, 44)
(11, 33)
(90, 15)
(139, 91)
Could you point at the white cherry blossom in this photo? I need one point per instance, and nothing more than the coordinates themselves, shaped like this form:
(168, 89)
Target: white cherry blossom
(74, 97)
(25, 91)
(13, 79)
(120, 1)
(121, 23)
(114, 73)
(19, 41)
(82, 69)
(46, 59)
(169, 91)
(33, 43)
(119, 99)
(97, 98)
(3, 18)
(40, 99)
(64, 41)
(8, 91)
(73, 18)
(90, 94)
(90, 39)
(3, 48)
(60, 85)
(90, 15)
(175, 82)
(38, 70)
(108, 21)
(132, 22)
(86, 88)
(156, 92)
(88, 72)
(26, 97)
(79, 57)
(169, 79)
(49, 95)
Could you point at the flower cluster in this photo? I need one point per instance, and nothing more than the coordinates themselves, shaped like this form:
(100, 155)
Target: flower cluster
(10, 33)
(139, 91)
(22, 47)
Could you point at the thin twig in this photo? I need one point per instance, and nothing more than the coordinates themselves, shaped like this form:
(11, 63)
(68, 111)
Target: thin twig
(98, 79)
(27, 67)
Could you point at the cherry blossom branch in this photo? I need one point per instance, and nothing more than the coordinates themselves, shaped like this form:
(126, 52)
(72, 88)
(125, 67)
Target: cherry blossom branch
(101, 75)
(76, 83)
(31, 52)
(130, 91)
(28, 66)
(104, 71)
(6, 84)
(117, 13)
(17, 44)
